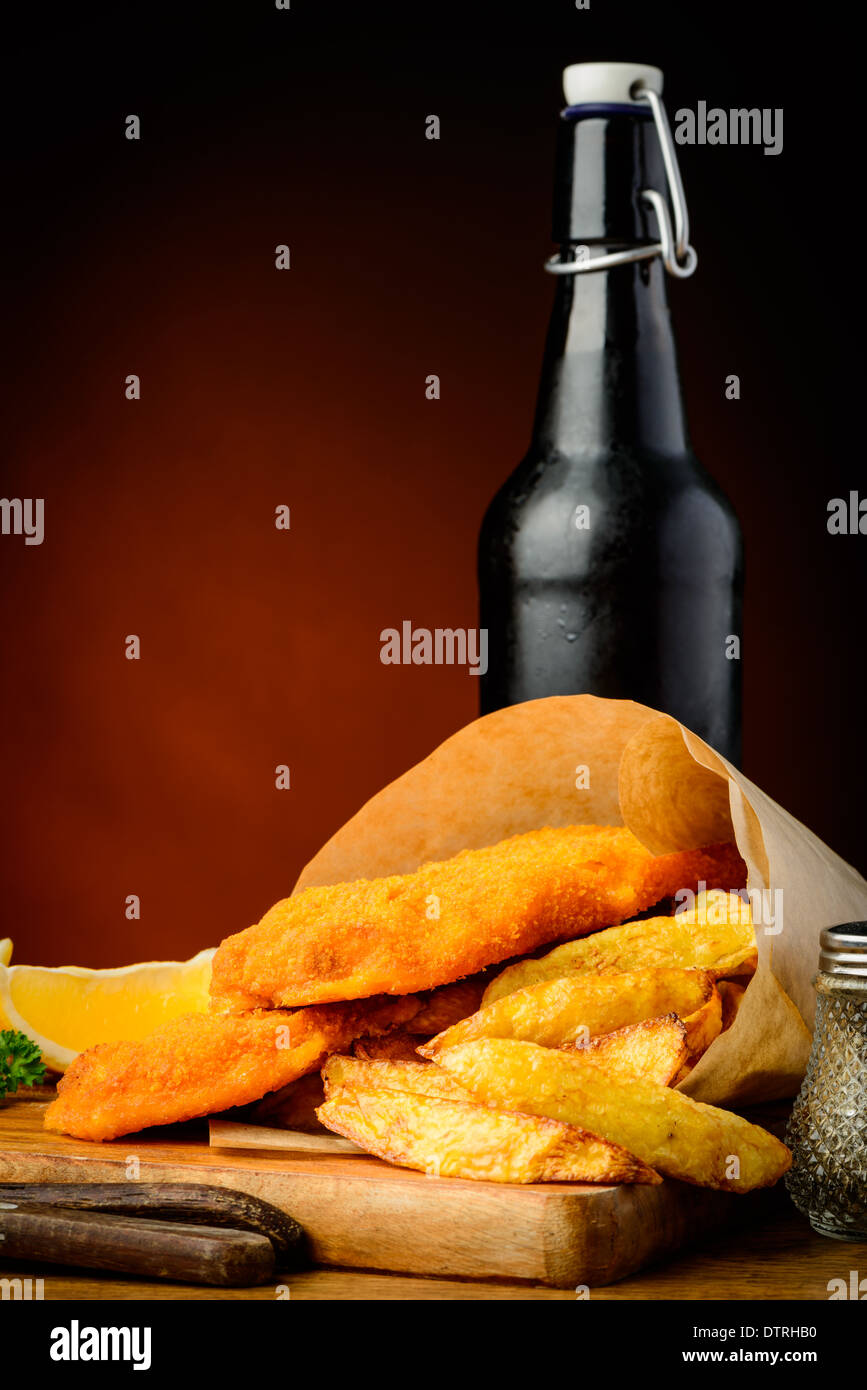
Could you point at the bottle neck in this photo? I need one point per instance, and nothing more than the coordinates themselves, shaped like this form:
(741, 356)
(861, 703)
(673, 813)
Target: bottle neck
(610, 373)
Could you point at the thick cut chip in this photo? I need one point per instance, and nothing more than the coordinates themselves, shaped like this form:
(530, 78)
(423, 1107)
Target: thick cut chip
(204, 1063)
(373, 936)
(716, 934)
(459, 1139)
(680, 1137)
(583, 1006)
(656, 1049)
(704, 1025)
(422, 1078)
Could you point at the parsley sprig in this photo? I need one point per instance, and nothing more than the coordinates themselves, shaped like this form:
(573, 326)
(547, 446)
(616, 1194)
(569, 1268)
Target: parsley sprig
(21, 1062)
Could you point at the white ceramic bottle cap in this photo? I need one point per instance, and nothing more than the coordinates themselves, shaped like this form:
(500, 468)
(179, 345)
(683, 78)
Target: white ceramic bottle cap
(585, 83)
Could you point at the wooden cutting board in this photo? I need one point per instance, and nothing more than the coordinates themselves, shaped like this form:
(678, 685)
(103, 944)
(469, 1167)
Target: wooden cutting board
(363, 1213)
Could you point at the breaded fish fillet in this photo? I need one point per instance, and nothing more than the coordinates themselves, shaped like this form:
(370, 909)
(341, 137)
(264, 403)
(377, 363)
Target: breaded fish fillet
(416, 931)
(203, 1063)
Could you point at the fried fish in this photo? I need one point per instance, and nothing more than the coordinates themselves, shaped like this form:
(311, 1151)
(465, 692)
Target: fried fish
(203, 1063)
(452, 918)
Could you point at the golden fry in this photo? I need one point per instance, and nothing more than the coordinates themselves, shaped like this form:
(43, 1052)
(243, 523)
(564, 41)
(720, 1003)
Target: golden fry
(458, 1139)
(716, 935)
(422, 1078)
(582, 1006)
(655, 1048)
(704, 1025)
(678, 1136)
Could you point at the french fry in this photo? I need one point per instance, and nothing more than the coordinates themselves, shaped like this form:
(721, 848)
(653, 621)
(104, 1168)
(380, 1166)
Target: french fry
(460, 1139)
(582, 1006)
(422, 1078)
(678, 1136)
(702, 1028)
(704, 1025)
(656, 1048)
(716, 935)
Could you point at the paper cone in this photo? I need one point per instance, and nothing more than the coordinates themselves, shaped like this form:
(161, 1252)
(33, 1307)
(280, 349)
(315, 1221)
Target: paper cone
(524, 767)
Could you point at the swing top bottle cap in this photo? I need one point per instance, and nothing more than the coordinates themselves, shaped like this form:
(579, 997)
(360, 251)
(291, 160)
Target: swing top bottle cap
(608, 83)
(603, 164)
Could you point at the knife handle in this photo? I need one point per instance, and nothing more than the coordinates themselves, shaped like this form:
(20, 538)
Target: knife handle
(195, 1204)
(133, 1245)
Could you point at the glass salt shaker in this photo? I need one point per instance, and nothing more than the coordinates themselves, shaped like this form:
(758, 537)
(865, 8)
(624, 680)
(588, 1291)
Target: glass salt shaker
(827, 1131)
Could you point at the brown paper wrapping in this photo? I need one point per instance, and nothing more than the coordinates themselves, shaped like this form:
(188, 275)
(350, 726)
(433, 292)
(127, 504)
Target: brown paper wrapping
(520, 768)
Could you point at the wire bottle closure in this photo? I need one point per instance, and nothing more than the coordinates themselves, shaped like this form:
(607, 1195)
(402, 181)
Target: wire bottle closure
(678, 257)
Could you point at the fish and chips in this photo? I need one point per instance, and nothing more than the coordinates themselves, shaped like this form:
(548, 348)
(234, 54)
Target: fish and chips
(421, 1016)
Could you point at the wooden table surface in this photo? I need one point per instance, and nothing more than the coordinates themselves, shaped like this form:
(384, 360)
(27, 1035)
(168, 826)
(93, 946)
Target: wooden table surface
(782, 1259)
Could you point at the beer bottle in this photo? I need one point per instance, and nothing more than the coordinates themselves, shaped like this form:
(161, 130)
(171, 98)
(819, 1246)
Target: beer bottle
(610, 562)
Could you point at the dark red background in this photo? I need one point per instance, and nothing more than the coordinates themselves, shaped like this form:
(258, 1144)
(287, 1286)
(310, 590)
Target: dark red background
(306, 387)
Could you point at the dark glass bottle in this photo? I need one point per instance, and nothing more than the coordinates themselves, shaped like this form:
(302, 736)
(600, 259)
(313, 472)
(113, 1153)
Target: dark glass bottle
(610, 562)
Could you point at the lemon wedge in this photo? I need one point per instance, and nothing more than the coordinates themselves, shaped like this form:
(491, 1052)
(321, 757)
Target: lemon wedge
(68, 1008)
(5, 957)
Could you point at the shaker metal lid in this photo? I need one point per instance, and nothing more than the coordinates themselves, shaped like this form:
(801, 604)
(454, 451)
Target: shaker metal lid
(843, 949)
